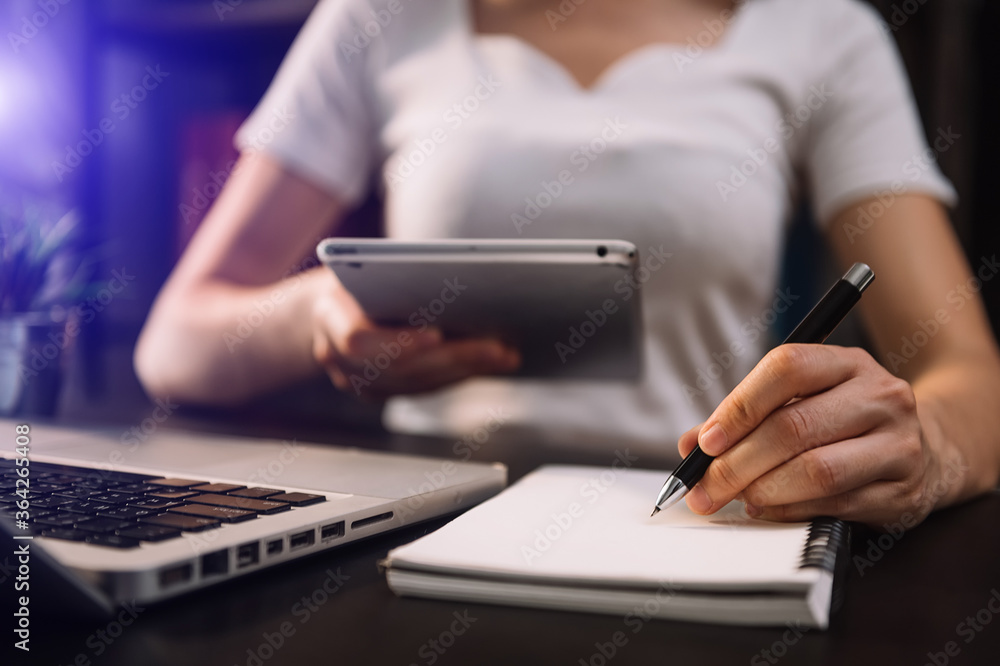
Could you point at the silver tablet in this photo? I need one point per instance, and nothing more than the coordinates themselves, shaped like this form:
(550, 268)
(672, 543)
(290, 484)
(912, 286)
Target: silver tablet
(569, 306)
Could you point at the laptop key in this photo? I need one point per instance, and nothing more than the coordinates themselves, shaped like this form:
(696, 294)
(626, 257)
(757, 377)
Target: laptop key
(44, 487)
(245, 503)
(255, 493)
(223, 513)
(51, 502)
(113, 541)
(134, 488)
(97, 483)
(77, 493)
(175, 483)
(298, 499)
(149, 532)
(87, 507)
(60, 519)
(127, 512)
(171, 494)
(114, 497)
(154, 503)
(104, 525)
(66, 533)
(185, 523)
(217, 487)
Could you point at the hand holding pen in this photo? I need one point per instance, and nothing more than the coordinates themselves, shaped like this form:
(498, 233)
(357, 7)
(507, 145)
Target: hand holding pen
(812, 430)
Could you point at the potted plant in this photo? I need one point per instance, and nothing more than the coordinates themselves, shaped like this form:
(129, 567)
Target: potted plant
(42, 273)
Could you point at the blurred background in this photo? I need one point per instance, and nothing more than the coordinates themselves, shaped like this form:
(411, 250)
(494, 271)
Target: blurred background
(116, 124)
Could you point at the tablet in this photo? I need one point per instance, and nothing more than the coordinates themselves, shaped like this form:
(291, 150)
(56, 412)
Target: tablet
(569, 306)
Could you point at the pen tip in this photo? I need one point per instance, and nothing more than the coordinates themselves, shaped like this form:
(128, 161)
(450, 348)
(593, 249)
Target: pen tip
(656, 510)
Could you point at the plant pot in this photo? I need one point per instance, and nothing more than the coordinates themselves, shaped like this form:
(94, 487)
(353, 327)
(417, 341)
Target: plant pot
(31, 364)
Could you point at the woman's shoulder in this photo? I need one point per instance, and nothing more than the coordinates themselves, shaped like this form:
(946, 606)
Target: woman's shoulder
(835, 18)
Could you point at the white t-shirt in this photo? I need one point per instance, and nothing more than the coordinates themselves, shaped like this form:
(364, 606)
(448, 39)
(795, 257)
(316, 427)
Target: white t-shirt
(696, 153)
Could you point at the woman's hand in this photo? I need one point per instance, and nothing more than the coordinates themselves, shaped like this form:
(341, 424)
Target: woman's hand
(817, 430)
(377, 362)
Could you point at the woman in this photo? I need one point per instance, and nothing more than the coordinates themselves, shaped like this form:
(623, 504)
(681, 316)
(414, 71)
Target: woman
(689, 127)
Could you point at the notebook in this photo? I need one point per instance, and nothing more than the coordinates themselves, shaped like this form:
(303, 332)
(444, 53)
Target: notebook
(581, 539)
(148, 516)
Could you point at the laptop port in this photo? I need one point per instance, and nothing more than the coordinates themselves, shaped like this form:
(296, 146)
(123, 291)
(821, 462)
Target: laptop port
(275, 547)
(331, 531)
(215, 563)
(302, 539)
(247, 554)
(371, 519)
(175, 575)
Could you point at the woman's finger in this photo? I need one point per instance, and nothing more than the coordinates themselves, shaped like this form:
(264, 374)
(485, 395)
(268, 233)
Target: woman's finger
(832, 470)
(786, 433)
(787, 372)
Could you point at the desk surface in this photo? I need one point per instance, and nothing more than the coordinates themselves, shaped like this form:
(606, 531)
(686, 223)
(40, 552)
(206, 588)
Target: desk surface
(914, 599)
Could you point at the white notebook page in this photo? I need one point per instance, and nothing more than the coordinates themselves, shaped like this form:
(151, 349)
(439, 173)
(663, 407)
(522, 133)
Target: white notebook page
(593, 524)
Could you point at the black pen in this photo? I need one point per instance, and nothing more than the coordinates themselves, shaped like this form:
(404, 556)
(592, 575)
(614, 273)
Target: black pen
(814, 329)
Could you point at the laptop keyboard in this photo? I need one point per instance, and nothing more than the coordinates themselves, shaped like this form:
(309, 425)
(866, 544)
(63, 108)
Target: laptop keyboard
(122, 509)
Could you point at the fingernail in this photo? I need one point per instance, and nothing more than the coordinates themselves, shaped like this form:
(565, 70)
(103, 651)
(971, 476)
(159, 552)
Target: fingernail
(713, 441)
(753, 510)
(698, 500)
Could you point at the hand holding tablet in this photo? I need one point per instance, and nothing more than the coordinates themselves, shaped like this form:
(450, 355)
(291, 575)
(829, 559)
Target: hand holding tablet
(412, 316)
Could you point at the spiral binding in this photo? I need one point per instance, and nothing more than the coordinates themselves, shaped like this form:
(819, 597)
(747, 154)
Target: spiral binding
(826, 536)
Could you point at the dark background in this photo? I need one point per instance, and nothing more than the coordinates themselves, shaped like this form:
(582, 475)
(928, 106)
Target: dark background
(221, 56)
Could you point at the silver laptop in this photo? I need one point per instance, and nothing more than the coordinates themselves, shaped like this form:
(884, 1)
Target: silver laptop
(148, 520)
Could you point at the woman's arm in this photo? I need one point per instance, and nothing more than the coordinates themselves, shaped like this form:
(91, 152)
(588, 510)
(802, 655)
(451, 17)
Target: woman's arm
(822, 430)
(928, 323)
(233, 321)
(263, 223)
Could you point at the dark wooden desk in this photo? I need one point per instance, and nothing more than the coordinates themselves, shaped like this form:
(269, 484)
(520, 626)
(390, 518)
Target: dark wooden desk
(914, 600)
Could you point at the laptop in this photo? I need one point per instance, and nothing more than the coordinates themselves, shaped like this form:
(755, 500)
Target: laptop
(128, 520)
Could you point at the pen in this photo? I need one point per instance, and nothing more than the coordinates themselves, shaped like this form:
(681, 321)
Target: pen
(814, 329)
